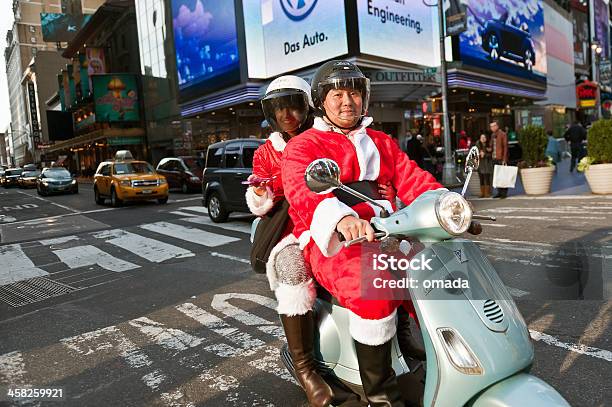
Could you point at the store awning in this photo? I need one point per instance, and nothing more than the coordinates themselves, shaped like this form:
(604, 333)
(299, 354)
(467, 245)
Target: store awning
(112, 133)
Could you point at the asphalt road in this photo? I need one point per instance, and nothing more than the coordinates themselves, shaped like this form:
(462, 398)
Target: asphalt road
(152, 304)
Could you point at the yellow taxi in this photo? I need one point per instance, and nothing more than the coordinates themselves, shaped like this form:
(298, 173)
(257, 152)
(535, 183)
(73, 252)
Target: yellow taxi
(126, 179)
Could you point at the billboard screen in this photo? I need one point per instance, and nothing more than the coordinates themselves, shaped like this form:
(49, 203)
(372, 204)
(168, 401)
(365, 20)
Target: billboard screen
(59, 27)
(402, 31)
(206, 43)
(285, 35)
(116, 98)
(506, 36)
(601, 13)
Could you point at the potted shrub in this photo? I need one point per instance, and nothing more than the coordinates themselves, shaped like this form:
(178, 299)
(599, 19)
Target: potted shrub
(597, 165)
(536, 169)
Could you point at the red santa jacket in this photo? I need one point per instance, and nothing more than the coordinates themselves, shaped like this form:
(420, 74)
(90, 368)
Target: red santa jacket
(364, 154)
(267, 164)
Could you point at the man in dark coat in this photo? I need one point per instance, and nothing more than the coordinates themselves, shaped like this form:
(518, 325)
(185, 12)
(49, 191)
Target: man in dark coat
(575, 135)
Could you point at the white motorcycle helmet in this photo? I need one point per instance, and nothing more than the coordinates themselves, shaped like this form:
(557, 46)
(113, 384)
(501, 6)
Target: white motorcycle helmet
(291, 94)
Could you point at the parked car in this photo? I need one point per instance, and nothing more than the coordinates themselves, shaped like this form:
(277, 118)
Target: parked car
(30, 167)
(28, 179)
(228, 163)
(126, 179)
(2, 170)
(184, 173)
(500, 39)
(56, 180)
(11, 177)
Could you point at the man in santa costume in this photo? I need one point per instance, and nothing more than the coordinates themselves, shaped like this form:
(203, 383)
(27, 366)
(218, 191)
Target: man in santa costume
(340, 94)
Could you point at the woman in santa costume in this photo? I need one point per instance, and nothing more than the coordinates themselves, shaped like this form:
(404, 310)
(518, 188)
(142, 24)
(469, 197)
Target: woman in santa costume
(340, 94)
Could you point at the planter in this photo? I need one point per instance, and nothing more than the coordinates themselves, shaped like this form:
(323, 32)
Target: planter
(599, 177)
(537, 181)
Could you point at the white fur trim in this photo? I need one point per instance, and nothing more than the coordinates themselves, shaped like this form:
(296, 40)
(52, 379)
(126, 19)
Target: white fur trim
(270, 269)
(295, 299)
(304, 239)
(373, 332)
(323, 226)
(367, 155)
(259, 205)
(277, 140)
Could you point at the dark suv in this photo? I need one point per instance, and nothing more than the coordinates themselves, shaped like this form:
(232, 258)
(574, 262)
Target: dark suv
(228, 163)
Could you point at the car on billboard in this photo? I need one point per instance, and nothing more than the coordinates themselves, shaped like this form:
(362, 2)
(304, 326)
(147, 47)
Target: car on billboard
(512, 41)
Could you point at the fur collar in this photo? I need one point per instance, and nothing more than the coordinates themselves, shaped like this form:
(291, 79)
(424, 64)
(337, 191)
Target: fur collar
(277, 140)
(322, 125)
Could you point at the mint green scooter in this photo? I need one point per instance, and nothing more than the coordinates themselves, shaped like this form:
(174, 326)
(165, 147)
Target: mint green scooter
(478, 347)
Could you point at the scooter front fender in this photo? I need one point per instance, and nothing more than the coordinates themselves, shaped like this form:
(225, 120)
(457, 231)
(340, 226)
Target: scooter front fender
(522, 390)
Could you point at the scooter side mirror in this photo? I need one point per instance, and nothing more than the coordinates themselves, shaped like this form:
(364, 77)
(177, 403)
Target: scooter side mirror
(322, 175)
(472, 161)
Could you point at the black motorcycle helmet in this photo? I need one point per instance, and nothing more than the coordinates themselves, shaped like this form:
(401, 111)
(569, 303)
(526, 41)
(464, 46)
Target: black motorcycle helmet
(290, 92)
(338, 75)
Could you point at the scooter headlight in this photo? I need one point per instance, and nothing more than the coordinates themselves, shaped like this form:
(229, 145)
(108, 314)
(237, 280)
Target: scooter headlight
(454, 213)
(459, 353)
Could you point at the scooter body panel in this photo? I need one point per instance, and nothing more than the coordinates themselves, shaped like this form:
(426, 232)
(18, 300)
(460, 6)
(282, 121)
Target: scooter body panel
(502, 348)
(334, 346)
(522, 390)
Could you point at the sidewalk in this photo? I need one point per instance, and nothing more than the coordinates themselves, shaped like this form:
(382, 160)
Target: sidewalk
(564, 182)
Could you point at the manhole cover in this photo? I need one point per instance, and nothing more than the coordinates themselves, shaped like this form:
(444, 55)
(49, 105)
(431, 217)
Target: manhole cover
(32, 290)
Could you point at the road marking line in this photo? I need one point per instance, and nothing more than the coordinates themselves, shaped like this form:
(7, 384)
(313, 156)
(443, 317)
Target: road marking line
(50, 202)
(549, 218)
(179, 213)
(88, 255)
(515, 292)
(247, 344)
(169, 338)
(221, 303)
(186, 199)
(149, 249)
(219, 382)
(36, 221)
(153, 379)
(58, 240)
(573, 347)
(199, 209)
(496, 225)
(192, 235)
(16, 265)
(12, 368)
(205, 220)
(227, 256)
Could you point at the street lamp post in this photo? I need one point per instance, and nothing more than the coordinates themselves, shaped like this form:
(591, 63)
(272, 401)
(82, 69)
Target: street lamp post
(448, 175)
(596, 54)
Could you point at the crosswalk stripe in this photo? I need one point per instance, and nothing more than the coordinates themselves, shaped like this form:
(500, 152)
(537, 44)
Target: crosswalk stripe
(58, 240)
(179, 213)
(16, 265)
(147, 248)
(199, 209)
(189, 234)
(221, 303)
(205, 220)
(169, 338)
(88, 255)
(12, 368)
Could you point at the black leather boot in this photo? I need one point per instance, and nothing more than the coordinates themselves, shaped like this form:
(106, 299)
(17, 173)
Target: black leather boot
(407, 344)
(377, 375)
(299, 331)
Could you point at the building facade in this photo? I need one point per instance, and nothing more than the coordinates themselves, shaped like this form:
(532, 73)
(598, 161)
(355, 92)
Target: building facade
(24, 40)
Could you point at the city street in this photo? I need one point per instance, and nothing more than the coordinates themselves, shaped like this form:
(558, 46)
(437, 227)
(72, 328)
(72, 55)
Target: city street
(154, 305)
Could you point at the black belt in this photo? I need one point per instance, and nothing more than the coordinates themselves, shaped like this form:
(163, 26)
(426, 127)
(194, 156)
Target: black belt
(368, 188)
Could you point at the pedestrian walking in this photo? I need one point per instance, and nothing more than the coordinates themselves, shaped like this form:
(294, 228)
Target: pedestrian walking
(575, 135)
(552, 149)
(500, 152)
(485, 169)
(414, 149)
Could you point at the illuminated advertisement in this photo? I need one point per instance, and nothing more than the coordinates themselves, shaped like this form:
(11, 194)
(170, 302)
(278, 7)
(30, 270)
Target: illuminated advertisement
(116, 98)
(601, 14)
(59, 27)
(404, 31)
(285, 35)
(506, 36)
(206, 43)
